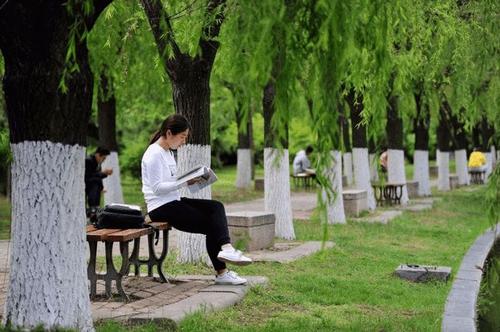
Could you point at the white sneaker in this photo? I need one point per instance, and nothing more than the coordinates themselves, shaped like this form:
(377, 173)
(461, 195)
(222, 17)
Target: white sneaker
(233, 256)
(229, 278)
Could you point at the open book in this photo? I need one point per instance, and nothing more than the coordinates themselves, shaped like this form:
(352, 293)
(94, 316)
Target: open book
(206, 175)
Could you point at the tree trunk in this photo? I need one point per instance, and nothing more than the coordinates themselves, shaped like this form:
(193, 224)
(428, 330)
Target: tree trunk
(443, 142)
(48, 279)
(276, 170)
(373, 160)
(191, 93)
(487, 132)
(335, 206)
(360, 150)
(395, 152)
(245, 142)
(346, 140)
(190, 78)
(460, 143)
(421, 156)
(106, 113)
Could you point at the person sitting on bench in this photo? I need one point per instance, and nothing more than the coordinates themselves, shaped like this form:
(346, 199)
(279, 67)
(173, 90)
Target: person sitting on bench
(301, 163)
(164, 203)
(93, 180)
(477, 161)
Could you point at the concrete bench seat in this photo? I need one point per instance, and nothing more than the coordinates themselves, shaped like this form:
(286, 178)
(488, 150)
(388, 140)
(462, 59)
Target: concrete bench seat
(355, 202)
(251, 230)
(454, 181)
(412, 187)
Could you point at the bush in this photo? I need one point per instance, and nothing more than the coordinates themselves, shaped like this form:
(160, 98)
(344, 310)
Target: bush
(130, 157)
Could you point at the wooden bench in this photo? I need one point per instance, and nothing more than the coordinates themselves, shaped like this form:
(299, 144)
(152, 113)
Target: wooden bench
(123, 237)
(477, 177)
(388, 193)
(303, 180)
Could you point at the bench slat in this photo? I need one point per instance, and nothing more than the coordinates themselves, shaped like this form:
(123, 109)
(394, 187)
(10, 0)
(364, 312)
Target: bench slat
(127, 234)
(100, 234)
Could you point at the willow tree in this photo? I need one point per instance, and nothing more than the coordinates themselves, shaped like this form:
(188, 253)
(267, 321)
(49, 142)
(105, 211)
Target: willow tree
(48, 105)
(189, 73)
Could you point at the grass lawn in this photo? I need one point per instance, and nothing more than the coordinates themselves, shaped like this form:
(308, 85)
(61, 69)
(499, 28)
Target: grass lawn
(351, 287)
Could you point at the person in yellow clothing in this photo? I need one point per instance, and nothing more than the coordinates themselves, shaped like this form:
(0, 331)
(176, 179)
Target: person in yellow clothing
(477, 161)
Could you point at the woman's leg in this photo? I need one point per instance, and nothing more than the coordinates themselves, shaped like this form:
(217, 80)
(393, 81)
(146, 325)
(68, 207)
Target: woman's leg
(217, 231)
(198, 216)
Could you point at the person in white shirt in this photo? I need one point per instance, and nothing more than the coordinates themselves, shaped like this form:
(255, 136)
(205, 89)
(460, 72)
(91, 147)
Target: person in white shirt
(164, 203)
(301, 163)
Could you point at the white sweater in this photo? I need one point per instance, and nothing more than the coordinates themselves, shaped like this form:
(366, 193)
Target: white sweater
(159, 172)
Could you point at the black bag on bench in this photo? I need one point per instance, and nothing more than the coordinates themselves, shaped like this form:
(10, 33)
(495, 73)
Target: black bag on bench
(119, 216)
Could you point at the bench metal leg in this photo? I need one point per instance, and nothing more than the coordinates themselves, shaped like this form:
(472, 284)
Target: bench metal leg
(91, 273)
(153, 260)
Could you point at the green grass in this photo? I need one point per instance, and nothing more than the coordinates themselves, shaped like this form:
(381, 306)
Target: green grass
(352, 287)
(4, 218)
(348, 288)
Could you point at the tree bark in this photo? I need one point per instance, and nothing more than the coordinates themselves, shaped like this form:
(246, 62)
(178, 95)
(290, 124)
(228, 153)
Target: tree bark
(421, 124)
(395, 152)
(106, 113)
(421, 156)
(190, 78)
(358, 128)
(444, 148)
(48, 130)
(245, 148)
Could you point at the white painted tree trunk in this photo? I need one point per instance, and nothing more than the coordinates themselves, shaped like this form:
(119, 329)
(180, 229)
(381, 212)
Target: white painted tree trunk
(421, 172)
(277, 191)
(192, 248)
(443, 161)
(396, 171)
(244, 169)
(489, 166)
(335, 208)
(373, 167)
(493, 156)
(362, 174)
(48, 278)
(348, 167)
(461, 167)
(112, 183)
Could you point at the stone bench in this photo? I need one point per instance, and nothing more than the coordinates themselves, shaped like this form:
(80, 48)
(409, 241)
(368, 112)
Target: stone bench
(412, 187)
(355, 201)
(477, 177)
(454, 181)
(251, 230)
(259, 184)
(433, 171)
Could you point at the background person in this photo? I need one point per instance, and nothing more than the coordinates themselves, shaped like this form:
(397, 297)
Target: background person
(93, 179)
(477, 161)
(301, 162)
(163, 200)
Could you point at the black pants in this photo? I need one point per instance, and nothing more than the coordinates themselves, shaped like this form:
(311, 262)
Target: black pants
(93, 192)
(200, 216)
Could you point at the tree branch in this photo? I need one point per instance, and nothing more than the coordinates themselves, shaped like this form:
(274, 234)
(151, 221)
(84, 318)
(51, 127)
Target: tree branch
(161, 27)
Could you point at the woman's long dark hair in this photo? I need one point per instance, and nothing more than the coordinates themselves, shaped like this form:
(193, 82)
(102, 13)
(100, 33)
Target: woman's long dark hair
(176, 123)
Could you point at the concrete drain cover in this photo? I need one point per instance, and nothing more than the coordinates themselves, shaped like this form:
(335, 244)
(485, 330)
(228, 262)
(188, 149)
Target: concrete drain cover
(422, 273)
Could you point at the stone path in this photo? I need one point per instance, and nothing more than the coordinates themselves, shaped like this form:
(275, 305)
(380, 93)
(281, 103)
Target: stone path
(303, 204)
(286, 252)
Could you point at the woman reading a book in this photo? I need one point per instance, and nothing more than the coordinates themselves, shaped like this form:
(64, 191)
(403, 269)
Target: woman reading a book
(163, 200)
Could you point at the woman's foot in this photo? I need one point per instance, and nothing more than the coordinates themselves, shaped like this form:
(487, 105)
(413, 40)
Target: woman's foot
(231, 255)
(229, 278)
